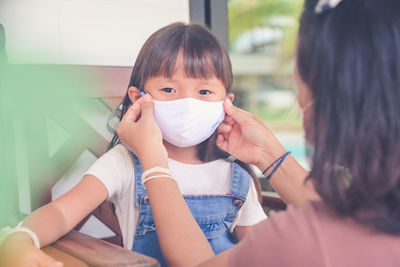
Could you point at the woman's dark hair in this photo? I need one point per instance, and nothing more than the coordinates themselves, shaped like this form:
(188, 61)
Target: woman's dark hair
(349, 57)
(203, 57)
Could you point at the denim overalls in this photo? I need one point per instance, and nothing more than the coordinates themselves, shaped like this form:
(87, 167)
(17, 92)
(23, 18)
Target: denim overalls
(213, 213)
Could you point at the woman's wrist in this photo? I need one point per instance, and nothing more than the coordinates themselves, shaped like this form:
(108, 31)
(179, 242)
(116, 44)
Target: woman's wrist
(269, 154)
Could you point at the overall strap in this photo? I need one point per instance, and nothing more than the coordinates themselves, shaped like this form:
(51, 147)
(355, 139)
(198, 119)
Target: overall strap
(240, 181)
(139, 189)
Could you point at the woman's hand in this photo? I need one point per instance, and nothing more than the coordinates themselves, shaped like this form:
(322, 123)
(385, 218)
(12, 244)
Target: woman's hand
(140, 133)
(17, 250)
(246, 137)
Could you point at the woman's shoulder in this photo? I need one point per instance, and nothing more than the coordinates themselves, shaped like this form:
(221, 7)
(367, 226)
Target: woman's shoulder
(313, 235)
(281, 240)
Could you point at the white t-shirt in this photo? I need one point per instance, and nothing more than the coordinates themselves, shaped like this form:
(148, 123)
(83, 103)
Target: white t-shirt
(116, 170)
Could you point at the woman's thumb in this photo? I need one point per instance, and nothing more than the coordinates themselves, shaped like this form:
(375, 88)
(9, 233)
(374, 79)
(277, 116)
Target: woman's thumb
(239, 115)
(147, 106)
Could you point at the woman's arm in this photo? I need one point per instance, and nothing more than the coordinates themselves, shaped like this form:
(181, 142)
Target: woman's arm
(289, 181)
(181, 239)
(57, 218)
(241, 231)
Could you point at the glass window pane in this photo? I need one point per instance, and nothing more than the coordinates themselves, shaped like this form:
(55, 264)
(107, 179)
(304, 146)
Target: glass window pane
(262, 37)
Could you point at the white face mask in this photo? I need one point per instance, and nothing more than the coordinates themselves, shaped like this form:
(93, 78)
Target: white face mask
(188, 121)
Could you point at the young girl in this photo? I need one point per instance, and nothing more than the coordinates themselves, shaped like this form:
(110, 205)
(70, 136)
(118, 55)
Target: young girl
(188, 73)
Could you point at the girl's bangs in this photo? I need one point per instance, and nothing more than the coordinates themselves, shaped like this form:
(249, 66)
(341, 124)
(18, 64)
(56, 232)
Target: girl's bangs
(202, 56)
(196, 64)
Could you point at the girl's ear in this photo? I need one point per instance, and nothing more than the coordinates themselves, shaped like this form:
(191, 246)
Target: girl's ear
(231, 97)
(134, 94)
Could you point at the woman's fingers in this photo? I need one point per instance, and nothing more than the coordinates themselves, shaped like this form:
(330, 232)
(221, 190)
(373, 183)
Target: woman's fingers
(222, 142)
(228, 119)
(142, 107)
(147, 106)
(239, 115)
(134, 111)
(224, 128)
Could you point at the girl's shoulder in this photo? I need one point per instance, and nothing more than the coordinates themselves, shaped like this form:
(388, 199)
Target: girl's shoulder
(118, 148)
(119, 152)
(114, 168)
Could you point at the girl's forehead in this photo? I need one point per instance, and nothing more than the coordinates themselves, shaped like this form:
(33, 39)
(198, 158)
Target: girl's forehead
(180, 76)
(184, 71)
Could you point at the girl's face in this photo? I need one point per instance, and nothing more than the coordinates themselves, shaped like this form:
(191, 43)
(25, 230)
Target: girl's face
(180, 86)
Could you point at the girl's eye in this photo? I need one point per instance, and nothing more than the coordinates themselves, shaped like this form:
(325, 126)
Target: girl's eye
(168, 90)
(204, 92)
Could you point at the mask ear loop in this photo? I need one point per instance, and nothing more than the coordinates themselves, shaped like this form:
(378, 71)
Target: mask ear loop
(142, 92)
(113, 118)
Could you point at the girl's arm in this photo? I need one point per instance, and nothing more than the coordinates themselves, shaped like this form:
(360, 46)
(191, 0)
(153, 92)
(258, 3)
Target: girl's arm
(54, 220)
(57, 218)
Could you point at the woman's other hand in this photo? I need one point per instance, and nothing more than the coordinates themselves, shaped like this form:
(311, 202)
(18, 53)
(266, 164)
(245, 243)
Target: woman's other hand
(247, 138)
(140, 133)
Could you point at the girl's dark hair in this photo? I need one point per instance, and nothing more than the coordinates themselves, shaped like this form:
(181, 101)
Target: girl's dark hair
(349, 57)
(203, 57)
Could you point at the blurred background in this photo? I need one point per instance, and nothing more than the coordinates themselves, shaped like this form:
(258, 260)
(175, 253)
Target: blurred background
(65, 65)
(262, 36)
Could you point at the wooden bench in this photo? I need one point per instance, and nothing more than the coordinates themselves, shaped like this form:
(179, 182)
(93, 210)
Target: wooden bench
(79, 250)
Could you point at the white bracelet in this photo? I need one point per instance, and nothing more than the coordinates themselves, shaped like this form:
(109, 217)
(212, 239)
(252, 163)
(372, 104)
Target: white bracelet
(6, 231)
(157, 176)
(155, 169)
